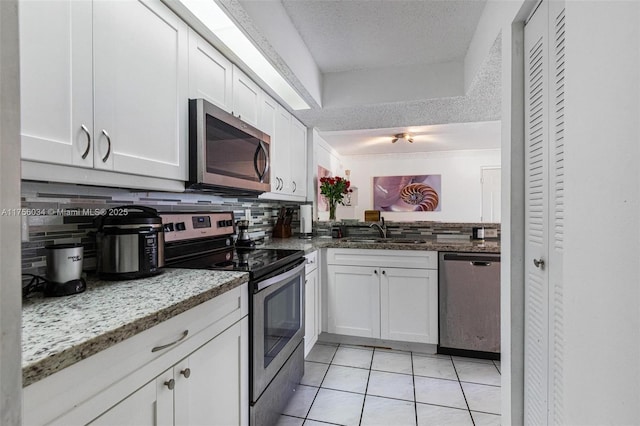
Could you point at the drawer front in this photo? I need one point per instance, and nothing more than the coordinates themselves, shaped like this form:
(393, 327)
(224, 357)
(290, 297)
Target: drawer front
(416, 259)
(312, 262)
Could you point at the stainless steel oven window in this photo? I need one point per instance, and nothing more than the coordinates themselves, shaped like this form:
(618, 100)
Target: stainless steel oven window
(282, 318)
(278, 349)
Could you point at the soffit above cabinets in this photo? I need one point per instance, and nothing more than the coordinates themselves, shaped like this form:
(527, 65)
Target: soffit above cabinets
(380, 64)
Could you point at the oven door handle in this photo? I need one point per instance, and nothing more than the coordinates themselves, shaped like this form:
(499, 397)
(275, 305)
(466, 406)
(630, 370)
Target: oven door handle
(282, 277)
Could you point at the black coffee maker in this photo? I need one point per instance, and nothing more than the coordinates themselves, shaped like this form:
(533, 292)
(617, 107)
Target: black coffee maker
(244, 240)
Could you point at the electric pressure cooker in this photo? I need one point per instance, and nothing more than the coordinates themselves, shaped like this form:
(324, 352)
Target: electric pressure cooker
(130, 243)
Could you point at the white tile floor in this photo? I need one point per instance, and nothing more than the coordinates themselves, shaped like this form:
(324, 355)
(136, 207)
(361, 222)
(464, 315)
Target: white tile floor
(353, 385)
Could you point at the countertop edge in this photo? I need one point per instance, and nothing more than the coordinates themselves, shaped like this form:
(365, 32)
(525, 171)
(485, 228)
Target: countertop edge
(317, 243)
(52, 364)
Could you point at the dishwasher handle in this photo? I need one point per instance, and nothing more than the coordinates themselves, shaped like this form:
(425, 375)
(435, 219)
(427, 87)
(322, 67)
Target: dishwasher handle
(475, 259)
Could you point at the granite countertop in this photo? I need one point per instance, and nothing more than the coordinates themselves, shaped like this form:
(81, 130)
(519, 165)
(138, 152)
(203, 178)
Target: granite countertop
(58, 332)
(455, 245)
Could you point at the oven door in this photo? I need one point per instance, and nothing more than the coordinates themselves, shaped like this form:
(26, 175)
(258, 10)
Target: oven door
(278, 324)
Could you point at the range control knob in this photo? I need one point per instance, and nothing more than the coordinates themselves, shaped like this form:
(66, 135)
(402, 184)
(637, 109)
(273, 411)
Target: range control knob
(228, 223)
(221, 223)
(168, 227)
(180, 226)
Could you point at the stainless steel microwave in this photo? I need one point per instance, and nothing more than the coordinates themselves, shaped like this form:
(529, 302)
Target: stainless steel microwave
(226, 155)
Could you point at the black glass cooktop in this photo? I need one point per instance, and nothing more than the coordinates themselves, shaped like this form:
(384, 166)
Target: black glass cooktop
(257, 261)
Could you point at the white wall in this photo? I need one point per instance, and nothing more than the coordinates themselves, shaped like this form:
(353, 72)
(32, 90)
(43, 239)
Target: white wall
(461, 197)
(323, 155)
(602, 214)
(10, 294)
(393, 84)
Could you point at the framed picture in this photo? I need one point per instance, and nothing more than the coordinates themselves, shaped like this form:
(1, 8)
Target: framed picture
(420, 193)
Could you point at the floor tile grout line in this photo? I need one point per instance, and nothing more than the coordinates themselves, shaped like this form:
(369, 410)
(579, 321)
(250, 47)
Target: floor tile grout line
(366, 388)
(320, 385)
(463, 394)
(415, 397)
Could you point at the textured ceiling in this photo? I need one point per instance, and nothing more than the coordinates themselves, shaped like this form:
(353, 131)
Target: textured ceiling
(356, 35)
(439, 137)
(363, 34)
(481, 103)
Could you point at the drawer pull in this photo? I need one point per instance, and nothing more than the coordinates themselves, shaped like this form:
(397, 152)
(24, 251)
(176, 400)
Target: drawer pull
(159, 348)
(170, 384)
(186, 372)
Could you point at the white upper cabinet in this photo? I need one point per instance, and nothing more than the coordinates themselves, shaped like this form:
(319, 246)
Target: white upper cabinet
(210, 73)
(281, 153)
(298, 149)
(288, 154)
(246, 97)
(56, 82)
(140, 83)
(104, 86)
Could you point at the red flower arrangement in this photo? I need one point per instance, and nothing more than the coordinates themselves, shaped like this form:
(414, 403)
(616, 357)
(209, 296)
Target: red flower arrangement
(334, 190)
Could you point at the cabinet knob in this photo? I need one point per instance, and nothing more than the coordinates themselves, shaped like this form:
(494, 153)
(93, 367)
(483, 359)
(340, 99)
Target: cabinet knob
(186, 372)
(538, 263)
(375, 271)
(384, 272)
(170, 384)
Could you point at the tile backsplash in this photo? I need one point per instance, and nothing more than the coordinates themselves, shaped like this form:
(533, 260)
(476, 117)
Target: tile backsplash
(60, 213)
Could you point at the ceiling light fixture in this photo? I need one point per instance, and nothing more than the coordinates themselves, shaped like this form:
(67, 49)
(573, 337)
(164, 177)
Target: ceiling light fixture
(405, 136)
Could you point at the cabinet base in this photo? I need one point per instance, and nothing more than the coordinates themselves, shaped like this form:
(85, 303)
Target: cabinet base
(469, 353)
(267, 409)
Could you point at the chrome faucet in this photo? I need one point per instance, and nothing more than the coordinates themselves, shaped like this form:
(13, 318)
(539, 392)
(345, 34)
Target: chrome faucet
(382, 229)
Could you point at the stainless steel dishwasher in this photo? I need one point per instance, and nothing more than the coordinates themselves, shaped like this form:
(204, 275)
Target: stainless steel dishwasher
(469, 304)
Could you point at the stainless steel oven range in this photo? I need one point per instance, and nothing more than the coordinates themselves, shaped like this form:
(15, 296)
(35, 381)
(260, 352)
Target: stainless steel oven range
(276, 303)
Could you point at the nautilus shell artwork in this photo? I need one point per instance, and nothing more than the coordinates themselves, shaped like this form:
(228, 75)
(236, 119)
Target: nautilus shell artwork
(407, 193)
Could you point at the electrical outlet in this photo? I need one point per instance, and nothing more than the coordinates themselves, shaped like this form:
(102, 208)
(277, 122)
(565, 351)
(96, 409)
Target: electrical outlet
(490, 233)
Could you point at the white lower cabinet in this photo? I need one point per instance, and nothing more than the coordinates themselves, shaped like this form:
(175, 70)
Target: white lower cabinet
(149, 405)
(202, 379)
(383, 294)
(409, 305)
(311, 302)
(210, 384)
(202, 389)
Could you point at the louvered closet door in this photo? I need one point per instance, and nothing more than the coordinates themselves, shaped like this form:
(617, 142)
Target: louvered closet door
(544, 109)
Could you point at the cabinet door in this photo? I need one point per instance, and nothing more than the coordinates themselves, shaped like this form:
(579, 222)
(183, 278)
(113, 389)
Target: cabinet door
(210, 73)
(152, 404)
(311, 311)
(409, 304)
(353, 300)
(56, 82)
(298, 164)
(246, 97)
(216, 390)
(141, 59)
(282, 153)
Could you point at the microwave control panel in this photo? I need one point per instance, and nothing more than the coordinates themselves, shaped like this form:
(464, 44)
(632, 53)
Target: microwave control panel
(189, 226)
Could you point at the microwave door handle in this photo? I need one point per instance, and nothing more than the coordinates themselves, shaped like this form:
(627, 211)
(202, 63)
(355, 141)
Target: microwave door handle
(260, 174)
(266, 156)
